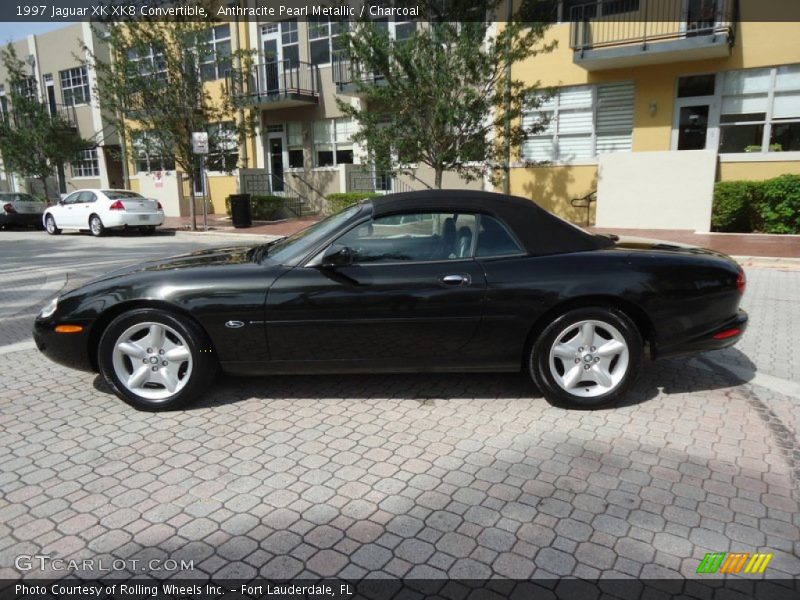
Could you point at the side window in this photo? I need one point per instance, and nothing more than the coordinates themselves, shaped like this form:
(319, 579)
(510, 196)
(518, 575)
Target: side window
(494, 239)
(72, 198)
(88, 197)
(412, 237)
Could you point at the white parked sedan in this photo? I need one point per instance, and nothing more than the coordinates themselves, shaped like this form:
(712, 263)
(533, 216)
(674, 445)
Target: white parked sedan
(100, 210)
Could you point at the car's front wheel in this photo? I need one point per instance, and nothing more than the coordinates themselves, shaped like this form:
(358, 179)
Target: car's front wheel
(155, 360)
(587, 357)
(50, 225)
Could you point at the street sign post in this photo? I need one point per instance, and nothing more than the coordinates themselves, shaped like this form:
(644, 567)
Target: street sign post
(200, 147)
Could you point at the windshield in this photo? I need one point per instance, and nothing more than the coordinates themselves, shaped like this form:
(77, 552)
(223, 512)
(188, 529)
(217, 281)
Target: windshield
(120, 194)
(298, 244)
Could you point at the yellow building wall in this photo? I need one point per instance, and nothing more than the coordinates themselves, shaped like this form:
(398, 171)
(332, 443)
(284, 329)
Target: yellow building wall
(554, 187)
(219, 188)
(757, 44)
(756, 171)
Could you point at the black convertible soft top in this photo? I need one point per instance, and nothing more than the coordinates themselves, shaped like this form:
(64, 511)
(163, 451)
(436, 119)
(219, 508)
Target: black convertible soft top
(539, 231)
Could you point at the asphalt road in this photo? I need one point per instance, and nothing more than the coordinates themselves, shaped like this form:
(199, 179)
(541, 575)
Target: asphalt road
(395, 476)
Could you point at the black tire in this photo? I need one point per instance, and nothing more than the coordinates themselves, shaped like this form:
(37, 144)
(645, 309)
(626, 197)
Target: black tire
(550, 376)
(50, 225)
(96, 227)
(147, 229)
(203, 360)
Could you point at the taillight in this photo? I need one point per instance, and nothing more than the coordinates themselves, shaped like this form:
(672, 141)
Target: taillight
(9, 208)
(118, 205)
(159, 205)
(741, 281)
(728, 333)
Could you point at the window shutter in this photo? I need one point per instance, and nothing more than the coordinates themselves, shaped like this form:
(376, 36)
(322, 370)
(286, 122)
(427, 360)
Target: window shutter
(615, 117)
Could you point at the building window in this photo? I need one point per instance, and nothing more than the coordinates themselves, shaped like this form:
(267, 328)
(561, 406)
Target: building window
(581, 10)
(332, 142)
(294, 143)
(223, 147)
(582, 122)
(215, 52)
(323, 39)
(290, 42)
(75, 86)
(3, 104)
(27, 88)
(149, 61)
(88, 165)
(148, 154)
(761, 110)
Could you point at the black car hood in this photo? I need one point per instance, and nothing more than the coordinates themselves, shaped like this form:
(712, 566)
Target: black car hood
(211, 257)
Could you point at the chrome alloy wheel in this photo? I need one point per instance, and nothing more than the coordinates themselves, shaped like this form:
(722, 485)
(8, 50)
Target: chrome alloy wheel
(152, 360)
(50, 224)
(589, 358)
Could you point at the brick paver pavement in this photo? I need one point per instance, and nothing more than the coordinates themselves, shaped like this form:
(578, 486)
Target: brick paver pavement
(413, 476)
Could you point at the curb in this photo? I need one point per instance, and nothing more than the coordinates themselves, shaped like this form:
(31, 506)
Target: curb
(768, 262)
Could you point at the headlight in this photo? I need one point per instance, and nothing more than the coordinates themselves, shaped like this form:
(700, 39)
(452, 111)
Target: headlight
(48, 310)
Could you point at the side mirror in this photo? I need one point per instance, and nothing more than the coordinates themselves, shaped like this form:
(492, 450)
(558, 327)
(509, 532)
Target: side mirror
(337, 255)
(60, 201)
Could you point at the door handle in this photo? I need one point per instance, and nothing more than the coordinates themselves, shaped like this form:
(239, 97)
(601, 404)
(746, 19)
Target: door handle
(455, 279)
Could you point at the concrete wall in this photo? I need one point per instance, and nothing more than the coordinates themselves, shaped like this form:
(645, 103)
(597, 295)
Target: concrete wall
(164, 187)
(641, 190)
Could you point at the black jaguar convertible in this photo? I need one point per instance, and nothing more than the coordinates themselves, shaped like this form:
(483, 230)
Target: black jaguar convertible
(423, 281)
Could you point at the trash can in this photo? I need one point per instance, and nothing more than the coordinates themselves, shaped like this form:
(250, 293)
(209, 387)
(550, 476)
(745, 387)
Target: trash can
(241, 211)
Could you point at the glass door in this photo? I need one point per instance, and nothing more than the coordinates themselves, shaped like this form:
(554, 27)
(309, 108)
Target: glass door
(271, 46)
(275, 149)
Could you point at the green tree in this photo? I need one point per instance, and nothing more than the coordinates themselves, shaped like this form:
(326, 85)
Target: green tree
(444, 95)
(163, 81)
(32, 141)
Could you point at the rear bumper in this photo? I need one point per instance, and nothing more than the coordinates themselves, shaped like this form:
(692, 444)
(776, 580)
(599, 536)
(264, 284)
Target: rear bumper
(22, 219)
(723, 336)
(68, 349)
(131, 219)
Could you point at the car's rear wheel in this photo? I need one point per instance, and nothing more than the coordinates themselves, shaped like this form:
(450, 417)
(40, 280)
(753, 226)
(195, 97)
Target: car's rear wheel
(96, 226)
(587, 357)
(50, 225)
(155, 360)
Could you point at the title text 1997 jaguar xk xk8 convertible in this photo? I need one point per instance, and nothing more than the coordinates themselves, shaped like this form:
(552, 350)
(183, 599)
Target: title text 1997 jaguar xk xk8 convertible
(423, 281)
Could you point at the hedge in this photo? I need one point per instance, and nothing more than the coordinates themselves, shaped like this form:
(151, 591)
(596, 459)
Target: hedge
(337, 202)
(771, 206)
(265, 208)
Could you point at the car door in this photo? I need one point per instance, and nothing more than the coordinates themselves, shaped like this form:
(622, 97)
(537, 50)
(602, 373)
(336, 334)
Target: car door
(413, 295)
(64, 212)
(83, 208)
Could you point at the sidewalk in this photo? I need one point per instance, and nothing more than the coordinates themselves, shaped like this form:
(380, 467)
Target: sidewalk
(222, 224)
(735, 244)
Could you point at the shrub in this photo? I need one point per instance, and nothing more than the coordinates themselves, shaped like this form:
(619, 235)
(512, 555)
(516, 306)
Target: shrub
(265, 208)
(337, 202)
(733, 206)
(778, 205)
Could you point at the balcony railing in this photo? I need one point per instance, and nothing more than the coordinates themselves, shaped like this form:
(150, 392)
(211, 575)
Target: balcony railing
(347, 72)
(67, 113)
(613, 23)
(283, 82)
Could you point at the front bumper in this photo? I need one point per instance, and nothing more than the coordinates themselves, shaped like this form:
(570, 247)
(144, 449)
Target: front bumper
(131, 219)
(723, 336)
(68, 349)
(21, 219)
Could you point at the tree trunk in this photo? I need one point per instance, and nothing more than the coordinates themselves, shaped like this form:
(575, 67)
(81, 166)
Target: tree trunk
(437, 181)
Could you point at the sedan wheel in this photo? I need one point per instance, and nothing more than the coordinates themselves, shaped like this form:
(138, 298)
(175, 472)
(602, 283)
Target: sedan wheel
(155, 360)
(50, 225)
(587, 357)
(96, 226)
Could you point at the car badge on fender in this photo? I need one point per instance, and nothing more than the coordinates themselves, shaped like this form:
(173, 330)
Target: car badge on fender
(234, 324)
